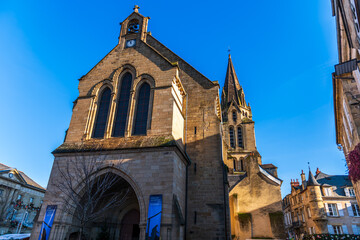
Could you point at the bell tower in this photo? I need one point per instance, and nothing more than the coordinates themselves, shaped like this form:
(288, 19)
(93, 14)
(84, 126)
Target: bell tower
(238, 128)
(133, 29)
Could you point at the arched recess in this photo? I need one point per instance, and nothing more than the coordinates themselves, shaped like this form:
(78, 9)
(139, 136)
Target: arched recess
(123, 103)
(133, 185)
(102, 112)
(143, 105)
(114, 217)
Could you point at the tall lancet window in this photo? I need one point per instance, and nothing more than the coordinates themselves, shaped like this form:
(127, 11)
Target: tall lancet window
(232, 137)
(240, 137)
(142, 110)
(234, 116)
(122, 105)
(102, 114)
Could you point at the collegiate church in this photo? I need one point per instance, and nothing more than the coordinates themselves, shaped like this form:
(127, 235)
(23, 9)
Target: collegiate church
(155, 123)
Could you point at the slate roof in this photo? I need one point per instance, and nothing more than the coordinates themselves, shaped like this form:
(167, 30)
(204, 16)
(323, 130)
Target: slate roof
(339, 181)
(312, 180)
(231, 86)
(26, 179)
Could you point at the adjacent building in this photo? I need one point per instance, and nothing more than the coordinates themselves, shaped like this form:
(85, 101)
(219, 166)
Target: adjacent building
(346, 78)
(321, 204)
(20, 200)
(255, 195)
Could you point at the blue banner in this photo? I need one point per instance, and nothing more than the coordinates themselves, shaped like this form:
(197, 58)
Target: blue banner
(154, 218)
(47, 223)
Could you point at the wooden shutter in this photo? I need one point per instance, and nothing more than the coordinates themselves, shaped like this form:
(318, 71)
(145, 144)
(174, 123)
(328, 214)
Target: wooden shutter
(355, 229)
(330, 229)
(345, 230)
(327, 209)
(349, 209)
(347, 192)
(340, 209)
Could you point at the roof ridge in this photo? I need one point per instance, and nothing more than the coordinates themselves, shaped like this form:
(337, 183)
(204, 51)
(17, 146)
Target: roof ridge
(150, 36)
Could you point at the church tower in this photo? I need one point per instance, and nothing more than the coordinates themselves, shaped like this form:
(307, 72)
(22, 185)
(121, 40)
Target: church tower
(148, 118)
(237, 117)
(254, 194)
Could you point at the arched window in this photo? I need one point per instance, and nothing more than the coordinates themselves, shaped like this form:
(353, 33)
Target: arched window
(122, 105)
(232, 137)
(142, 110)
(234, 162)
(240, 137)
(102, 114)
(241, 165)
(234, 116)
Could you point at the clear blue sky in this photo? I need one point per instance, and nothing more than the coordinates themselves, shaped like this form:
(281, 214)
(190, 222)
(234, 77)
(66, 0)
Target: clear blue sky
(283, 53)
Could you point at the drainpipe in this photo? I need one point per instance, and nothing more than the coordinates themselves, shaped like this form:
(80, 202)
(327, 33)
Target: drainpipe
(187, 170)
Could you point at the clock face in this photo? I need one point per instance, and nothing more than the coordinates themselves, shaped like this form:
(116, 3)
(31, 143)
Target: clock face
(130, 43)
(11, 175)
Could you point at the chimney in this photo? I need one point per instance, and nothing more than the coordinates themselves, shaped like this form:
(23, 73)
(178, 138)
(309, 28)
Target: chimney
(302, 176)
(317, 171)
(296, 183)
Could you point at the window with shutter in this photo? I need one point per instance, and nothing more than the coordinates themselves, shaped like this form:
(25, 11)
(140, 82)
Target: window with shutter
(337, 229)
(346, 190)
(332, 210)
(355, 209)
(344, 229)
(351, 192)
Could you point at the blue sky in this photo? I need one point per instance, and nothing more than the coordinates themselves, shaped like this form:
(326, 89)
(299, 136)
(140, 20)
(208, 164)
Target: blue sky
(283, 52)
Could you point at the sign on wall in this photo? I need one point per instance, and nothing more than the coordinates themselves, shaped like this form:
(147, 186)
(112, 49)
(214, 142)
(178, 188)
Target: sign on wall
(47, 223)
(154, 218)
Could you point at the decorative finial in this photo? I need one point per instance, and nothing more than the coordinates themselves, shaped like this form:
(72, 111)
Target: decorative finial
(309, 166)
(136, 8)
(229, 50)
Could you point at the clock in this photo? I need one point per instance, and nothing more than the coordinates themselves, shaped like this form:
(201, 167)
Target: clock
(130, 43)
(11, 175)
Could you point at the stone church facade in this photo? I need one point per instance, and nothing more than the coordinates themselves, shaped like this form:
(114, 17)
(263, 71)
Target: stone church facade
(254, 192)
(154, 121)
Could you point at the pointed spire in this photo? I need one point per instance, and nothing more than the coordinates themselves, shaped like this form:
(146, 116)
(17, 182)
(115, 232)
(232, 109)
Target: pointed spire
(232, 89)
(312, 180)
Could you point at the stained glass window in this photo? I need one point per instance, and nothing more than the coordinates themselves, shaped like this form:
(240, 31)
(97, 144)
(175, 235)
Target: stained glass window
(102, 114)
(240, 137)
(122, 105)
(142, 110)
